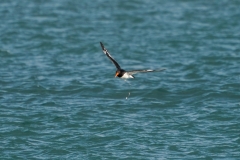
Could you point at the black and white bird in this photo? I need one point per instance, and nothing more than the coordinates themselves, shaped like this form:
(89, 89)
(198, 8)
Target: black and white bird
(121, 73)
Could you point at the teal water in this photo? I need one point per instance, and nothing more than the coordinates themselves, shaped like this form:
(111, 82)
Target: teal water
(59, 98)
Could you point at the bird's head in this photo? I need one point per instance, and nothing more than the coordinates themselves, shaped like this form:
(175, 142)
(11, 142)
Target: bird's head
(117, 73)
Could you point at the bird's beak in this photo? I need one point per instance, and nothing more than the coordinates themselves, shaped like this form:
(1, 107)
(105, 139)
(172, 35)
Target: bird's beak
(116, 75)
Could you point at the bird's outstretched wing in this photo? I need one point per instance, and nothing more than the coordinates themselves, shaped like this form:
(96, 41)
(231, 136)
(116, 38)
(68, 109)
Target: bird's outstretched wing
(144, 71)
(109, 56)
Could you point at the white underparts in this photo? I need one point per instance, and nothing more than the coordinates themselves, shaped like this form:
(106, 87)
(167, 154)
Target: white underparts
(126, 75)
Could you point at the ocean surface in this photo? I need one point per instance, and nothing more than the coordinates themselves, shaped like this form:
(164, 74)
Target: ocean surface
(59, 98)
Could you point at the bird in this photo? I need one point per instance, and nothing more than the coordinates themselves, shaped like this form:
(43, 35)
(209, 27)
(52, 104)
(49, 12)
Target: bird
(121, 73)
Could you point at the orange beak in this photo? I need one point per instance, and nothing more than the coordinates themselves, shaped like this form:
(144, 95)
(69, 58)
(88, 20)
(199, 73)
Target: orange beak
(116, 75)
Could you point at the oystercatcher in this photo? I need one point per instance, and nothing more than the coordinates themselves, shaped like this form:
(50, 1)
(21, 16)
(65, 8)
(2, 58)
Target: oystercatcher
(121, 73)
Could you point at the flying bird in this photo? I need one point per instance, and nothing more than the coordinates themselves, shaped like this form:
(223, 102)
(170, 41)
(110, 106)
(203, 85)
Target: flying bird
(121, 73)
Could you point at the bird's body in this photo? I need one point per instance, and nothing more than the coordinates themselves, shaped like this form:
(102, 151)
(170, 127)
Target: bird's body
(121, 73)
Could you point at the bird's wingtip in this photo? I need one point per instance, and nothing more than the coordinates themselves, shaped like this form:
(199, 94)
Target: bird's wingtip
(162, 69)
(102, 45)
